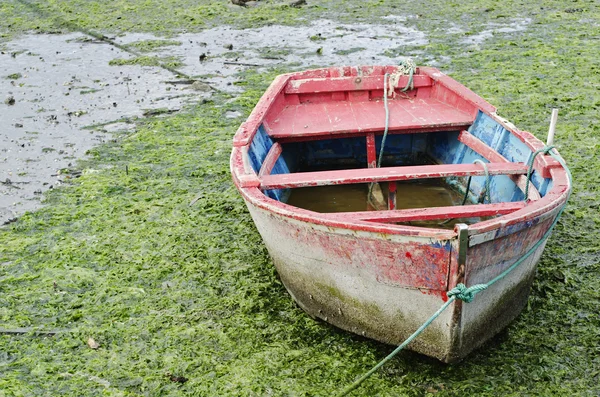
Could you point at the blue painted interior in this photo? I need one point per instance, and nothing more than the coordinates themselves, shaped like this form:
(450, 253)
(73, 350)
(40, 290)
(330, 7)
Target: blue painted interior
(446, 149)
(400, 149)
(259, 147)
(405, 149)
(509, 146)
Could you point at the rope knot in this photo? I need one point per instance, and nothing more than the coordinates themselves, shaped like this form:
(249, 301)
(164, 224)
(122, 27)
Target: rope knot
(466, 294)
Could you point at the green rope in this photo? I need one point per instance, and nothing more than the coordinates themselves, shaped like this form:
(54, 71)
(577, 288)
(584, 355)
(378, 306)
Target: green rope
(358, 382)
(544, 150)
(385, 132)
(486, 187)
(387, 118)
(463, 293)
(466, 191)
(485, 191)
(467, 294)
(406, 66)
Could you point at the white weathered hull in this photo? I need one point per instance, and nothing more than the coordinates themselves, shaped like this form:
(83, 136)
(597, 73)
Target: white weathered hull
(336, 286)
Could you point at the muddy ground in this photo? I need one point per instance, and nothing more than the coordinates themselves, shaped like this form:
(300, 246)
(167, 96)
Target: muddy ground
(63, 94)
(140, 273)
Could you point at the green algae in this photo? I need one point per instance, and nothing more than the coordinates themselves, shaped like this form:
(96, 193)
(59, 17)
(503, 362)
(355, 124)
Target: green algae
(162, 286)
(349, 51)
(171, 62)
(152, 45)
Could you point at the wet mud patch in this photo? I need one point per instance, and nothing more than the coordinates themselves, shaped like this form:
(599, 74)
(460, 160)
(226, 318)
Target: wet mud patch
(217, 55)
(63, 93)
(61, 96)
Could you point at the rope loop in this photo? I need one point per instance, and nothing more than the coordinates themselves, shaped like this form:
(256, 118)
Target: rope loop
(406, 67)
(466, 294)
(546, 150)
(390, 82)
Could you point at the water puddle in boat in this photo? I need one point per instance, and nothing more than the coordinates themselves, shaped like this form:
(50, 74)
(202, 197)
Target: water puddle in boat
(352, 198)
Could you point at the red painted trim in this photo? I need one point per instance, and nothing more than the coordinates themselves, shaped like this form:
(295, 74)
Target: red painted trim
(355, 83)
(377, 131)
(491, 155)
(248, 181)
(392, 195)
(432, 213)
(245, 133)
(386, 174)
(457, 88)
(371, 151)
(270, 160)
(327, 119)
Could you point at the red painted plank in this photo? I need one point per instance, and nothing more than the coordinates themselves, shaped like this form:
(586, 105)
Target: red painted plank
(457, 88)
(433, 213)
(392, 195)
(309, 120)
(270, 160)
(491, 155)
(371, 151)
(356, 83)
(247, 130)
(341, 117)
(481, 147)
(386, 174)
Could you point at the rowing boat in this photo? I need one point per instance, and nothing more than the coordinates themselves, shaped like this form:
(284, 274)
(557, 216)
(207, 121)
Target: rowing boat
(306, 162)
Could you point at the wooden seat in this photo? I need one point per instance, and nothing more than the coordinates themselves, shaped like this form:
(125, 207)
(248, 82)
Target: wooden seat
(386, 174)
(353, 83)
(429, 214)
(307, 121)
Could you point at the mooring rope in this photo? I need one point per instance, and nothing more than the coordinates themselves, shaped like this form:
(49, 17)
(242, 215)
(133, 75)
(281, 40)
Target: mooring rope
(485, 190)
(406, 67)
(464, 293)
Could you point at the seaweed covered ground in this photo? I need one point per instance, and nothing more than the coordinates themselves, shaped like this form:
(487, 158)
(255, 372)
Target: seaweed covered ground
(146, 276)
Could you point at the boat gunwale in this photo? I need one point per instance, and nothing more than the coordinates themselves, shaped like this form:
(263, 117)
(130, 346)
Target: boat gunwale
(243, 173)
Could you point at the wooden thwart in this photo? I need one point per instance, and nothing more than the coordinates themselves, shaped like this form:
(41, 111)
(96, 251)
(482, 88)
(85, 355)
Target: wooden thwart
(490, 154)
(345, 118)
(432, 213)
(386, 174)
(270, 160)
(354, 83)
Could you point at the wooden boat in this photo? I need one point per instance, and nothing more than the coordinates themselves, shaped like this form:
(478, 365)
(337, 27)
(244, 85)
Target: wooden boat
(382, 273)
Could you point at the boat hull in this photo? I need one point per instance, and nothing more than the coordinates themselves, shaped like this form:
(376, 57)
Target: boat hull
(378, 273)
(326, 275)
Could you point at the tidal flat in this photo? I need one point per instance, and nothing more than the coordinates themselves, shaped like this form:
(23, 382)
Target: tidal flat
(146, 249)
